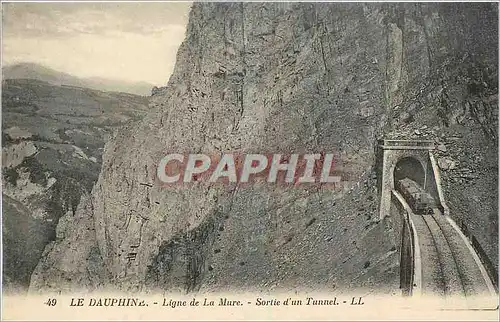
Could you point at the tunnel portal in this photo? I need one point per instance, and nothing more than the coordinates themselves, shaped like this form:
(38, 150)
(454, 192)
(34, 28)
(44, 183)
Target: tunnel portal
(411, 168)
(397, 159)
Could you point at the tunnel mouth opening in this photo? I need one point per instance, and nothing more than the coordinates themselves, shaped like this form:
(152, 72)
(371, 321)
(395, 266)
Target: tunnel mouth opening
(411, 168)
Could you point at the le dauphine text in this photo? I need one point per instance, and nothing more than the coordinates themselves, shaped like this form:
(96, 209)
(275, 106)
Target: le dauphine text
(207, 302)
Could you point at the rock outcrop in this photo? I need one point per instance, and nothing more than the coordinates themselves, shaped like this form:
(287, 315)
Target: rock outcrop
(52, 141)
(277, 77)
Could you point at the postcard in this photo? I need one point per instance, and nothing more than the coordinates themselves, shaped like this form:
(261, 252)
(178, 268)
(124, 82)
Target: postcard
(167, 161)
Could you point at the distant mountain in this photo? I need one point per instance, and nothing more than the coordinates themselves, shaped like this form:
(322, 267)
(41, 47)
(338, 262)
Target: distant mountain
(39, 72)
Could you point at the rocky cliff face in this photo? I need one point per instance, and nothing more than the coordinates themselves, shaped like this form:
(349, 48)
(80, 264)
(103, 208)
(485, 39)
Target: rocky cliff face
(280, 77)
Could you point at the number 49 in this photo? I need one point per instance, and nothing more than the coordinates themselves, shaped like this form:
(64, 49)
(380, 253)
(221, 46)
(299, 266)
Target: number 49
(51, 302)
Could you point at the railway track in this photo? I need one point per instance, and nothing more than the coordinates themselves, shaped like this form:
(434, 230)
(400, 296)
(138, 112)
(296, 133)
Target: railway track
(449, 268)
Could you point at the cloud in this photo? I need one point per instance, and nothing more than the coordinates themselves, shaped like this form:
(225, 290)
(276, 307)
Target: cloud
(69, 19)
(128, 41)
(124, 56)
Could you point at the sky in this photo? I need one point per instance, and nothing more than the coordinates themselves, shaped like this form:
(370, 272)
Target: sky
(128, 41)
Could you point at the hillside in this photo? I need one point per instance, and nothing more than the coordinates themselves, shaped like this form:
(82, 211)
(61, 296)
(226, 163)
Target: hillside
(45, 74)
(52, 143)
(282, 78)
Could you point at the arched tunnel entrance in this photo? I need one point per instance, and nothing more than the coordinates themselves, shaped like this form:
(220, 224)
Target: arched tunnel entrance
(398, 159)
(411, 168)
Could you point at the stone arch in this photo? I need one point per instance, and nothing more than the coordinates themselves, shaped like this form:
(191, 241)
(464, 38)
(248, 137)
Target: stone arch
(409, 167)
(394, 157)
(409, 154)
